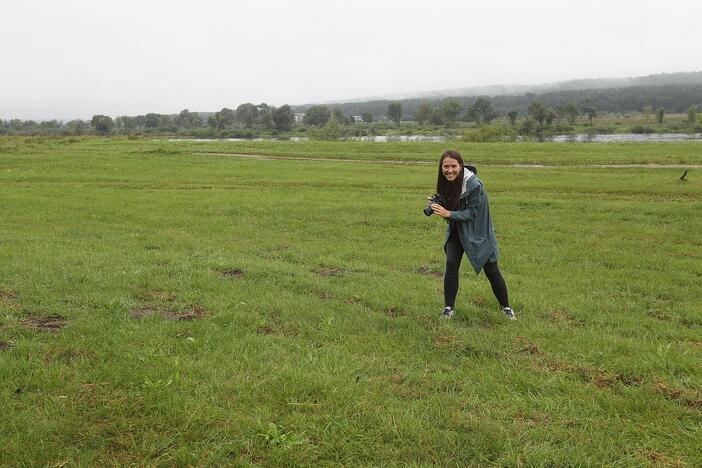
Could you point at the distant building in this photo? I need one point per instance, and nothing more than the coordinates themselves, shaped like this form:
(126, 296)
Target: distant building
(299, 116)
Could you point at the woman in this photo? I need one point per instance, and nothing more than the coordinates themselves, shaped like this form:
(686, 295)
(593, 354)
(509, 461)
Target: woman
(469, 230)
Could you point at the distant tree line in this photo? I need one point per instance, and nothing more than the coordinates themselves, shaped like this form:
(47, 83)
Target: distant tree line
(534, 112)
(246, 117)
(673, 98)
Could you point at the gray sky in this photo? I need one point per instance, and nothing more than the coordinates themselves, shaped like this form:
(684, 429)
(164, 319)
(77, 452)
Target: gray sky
(76, 58)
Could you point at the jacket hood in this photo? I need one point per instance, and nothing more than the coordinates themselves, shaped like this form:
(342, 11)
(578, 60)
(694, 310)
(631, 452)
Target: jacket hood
(467, 174)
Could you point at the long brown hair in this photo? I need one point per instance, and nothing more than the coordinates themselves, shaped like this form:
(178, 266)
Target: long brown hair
(450, 190)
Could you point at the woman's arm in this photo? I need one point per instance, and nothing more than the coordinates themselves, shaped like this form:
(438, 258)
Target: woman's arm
(458, 215)
(467, 214)
(464, 215)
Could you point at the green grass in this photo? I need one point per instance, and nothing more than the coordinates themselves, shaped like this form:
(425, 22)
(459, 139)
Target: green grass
(327, 348)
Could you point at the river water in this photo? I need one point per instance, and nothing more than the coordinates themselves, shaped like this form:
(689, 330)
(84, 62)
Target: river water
(579, 138)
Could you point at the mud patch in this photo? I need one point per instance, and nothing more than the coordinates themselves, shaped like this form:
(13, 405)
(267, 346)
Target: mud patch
(51, 323)
(330, 271)
(429, 272)
(195, 313)
(232, 273)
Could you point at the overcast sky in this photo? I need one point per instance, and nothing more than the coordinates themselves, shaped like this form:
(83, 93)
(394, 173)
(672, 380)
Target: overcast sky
(76, 58)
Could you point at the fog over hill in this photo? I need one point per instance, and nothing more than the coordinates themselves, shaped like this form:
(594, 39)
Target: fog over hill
(661, 79)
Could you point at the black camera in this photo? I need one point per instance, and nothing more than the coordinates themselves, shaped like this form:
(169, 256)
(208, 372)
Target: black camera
(436, 198)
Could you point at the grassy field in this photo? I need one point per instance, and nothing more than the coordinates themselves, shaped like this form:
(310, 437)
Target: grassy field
(159, 306)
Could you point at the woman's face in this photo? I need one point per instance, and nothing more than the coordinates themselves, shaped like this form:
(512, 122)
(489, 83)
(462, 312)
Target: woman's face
(451, 169)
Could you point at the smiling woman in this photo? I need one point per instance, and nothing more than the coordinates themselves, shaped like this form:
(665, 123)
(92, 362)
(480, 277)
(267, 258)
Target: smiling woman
(469, 230)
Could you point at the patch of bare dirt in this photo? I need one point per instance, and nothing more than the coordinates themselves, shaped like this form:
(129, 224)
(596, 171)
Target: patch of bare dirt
(523, 345)
(683, 396)
(533, 419)
(352, 300)
(330, 271)
(691, 323)
(429, 272)
(443, 340)
(478, 301)
(232, 273)
(69, 354)
(598, 377)
(8, 294)
(51, 323)
(661, 459)
(560, 316)
(4, 346)
(276, 329)
(195, 313)
(143, 311)
(395, 312)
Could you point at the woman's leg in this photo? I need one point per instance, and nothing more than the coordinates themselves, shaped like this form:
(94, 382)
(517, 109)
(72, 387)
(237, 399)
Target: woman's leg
(499, 288)
(454, 253)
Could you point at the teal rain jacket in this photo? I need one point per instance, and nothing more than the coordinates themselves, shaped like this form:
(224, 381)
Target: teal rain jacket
(474, 224)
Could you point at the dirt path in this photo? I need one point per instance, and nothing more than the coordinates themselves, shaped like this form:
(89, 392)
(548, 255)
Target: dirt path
(432, 163)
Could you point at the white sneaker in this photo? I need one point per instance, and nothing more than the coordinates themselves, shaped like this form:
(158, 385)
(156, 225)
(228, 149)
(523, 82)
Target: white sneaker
(509, 313)
(447, 313)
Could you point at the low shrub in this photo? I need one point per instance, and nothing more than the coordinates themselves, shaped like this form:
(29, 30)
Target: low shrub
(496, 132)
(642, 129)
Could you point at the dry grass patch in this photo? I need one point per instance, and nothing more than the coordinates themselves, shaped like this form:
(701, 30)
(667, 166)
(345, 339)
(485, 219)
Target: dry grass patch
(661, 459)
(443, 340)
(51, 323)
(196, 312)
(330, 271)
(232, 273)
(4, 295)
(523, 345)
(429, 272)
(395, 312)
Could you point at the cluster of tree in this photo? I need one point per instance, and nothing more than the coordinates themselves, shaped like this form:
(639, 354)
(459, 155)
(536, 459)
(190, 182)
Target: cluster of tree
(52, 127)
(245, 116)
(673, 98)
(319, 115)
(250, 116)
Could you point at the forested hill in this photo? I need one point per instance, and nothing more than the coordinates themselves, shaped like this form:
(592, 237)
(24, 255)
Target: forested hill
(660, 79)
(673, 98)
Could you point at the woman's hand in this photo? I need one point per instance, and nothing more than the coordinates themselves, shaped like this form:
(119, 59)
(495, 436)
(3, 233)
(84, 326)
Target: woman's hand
(440, 210)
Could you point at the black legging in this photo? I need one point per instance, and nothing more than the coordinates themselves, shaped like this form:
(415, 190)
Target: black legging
(454, 254)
